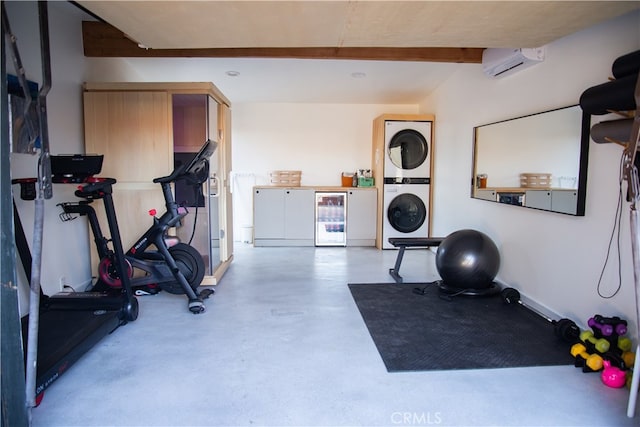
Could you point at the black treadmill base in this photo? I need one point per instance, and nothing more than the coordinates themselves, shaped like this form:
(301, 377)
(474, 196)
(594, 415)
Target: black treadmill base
(64, 337)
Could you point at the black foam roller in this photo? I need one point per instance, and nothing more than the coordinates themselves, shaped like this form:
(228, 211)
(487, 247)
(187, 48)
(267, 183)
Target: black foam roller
(616, 130)
(616, 95)
(626, 65)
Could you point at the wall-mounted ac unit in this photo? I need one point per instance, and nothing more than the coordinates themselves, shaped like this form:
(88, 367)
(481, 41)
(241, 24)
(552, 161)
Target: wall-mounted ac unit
(500, 62)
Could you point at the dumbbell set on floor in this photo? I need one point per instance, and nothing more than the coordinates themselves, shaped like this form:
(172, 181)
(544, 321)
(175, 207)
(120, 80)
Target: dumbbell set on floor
(617, 352)
(604, 348)
(612, 356)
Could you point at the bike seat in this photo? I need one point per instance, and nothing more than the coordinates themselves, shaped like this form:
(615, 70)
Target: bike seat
(96, 188)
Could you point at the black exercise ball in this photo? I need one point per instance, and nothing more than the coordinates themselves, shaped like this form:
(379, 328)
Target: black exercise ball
(468, 259)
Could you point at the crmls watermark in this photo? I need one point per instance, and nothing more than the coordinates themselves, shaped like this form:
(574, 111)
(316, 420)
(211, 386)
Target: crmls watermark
(416, 418)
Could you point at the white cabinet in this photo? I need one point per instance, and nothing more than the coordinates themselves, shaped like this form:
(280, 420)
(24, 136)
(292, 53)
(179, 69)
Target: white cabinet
(299, 213)
(539, 199)
(286, 216)
(564, 201)
(283, 216)
(268, 218)
(486, 195)
(361, 217)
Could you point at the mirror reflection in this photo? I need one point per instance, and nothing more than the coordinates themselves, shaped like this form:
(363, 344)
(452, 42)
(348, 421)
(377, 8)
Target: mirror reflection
(537, 161)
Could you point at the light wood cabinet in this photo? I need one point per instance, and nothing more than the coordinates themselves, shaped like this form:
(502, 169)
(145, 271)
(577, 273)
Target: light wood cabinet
(134, 125)
(133, 132)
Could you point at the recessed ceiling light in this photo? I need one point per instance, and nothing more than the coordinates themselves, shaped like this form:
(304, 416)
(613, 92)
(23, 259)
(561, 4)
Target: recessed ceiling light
(358, 75)
(233, 73)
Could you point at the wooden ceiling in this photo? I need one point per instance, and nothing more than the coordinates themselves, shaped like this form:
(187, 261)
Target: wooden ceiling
(435, 31)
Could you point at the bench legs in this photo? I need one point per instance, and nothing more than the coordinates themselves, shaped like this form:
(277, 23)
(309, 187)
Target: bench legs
(403, 243)
(395, 271)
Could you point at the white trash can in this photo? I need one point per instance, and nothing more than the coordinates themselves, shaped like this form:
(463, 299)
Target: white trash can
(246, 233)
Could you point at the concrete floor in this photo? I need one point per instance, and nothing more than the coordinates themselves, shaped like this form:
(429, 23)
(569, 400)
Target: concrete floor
(282, 344)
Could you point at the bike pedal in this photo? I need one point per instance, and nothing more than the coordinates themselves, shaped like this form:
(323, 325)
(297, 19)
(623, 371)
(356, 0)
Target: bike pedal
(206, 293)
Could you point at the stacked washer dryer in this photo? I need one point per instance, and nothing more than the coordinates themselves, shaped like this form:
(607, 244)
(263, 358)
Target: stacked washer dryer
(403, 161)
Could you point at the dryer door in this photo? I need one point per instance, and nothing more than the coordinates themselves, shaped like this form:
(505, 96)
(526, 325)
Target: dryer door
(408, 149)
(406, 213)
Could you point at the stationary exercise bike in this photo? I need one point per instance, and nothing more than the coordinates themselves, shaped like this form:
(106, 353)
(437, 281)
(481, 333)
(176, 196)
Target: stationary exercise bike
(175, 267)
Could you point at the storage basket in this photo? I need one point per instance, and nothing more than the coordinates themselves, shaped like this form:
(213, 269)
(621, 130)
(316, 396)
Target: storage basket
(365, 182)
(286, 178)
(535, 180)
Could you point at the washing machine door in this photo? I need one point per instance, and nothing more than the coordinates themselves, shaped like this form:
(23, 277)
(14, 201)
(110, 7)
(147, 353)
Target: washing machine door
(408, 149)
(406, 213)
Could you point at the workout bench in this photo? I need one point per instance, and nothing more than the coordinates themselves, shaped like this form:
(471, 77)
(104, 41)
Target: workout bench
(409, 242)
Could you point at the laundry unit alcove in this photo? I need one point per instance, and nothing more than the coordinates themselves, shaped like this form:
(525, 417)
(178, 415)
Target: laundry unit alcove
(402, 159)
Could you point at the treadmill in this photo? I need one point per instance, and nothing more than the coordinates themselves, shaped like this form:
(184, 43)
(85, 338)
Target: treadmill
(71, 323)
(68, 324)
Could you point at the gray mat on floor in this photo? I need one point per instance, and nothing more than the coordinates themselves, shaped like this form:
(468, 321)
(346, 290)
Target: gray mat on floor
(425, 332)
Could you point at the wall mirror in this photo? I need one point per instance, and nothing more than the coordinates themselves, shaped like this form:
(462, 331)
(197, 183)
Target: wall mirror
(537, 161)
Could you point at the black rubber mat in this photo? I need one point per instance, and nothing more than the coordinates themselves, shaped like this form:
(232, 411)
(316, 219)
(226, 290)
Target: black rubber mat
(426, 332)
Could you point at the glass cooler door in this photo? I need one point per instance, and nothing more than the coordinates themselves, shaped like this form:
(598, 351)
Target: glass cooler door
(331, 212)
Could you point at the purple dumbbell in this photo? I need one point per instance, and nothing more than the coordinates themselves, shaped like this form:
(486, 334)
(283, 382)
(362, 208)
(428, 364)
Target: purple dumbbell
(608, 325)
(605, 330)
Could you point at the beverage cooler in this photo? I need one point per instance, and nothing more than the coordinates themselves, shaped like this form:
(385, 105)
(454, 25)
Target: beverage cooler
(331, 213)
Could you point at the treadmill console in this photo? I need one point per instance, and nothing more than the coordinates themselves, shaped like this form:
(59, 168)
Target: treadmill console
(75, 168)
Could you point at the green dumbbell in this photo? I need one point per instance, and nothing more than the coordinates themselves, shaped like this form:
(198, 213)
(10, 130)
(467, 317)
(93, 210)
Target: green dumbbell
(600, 344)
(624, 344)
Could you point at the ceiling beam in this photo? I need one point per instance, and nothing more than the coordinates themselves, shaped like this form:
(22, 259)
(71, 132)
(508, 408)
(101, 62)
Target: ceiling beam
(103, 40)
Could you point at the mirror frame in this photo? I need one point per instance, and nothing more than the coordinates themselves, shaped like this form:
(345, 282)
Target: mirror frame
(583, 161)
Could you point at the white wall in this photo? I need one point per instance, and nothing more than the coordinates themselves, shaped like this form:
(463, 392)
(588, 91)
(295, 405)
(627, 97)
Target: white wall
(554, 259)
(321, 140)
(65, 245)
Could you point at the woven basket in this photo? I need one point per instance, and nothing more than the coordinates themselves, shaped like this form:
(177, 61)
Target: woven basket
(535, 180)
(286, 178)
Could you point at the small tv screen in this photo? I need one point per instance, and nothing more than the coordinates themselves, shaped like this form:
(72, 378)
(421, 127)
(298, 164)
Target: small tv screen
(186, 195)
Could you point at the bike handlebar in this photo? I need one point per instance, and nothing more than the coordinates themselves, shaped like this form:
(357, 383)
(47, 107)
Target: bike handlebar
(194, 168)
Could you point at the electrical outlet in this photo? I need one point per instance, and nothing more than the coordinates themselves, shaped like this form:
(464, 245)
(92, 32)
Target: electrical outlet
(63, 282)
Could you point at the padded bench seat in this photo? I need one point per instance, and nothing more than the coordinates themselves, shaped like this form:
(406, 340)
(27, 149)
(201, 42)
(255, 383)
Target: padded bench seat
(409, 242)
